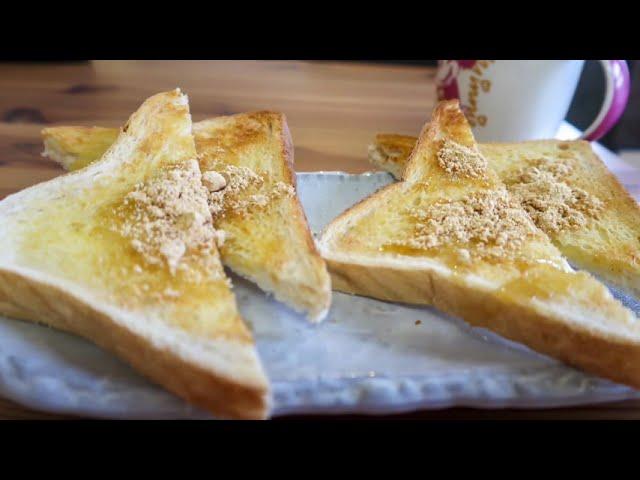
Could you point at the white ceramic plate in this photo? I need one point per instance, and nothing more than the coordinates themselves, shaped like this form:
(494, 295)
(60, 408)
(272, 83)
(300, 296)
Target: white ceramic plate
(368, 356)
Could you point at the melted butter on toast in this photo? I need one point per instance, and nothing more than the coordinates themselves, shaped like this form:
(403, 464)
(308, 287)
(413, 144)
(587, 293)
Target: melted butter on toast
(453, 209)
(140, 237)
(566, 190)
(261, 228)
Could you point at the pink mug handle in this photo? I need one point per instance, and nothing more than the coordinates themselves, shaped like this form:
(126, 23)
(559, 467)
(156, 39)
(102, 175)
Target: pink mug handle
(615, 99)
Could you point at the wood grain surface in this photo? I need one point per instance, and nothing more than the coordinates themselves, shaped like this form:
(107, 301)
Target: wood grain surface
(334, 110)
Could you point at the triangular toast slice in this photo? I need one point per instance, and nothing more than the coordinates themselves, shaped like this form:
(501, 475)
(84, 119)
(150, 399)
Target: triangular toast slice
(450, 235)
(123, 253)
(267, 236)
(568, 192)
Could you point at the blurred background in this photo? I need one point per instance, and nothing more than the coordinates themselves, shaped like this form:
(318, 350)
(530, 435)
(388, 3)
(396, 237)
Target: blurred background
(587, 100)
(584, 107)
(334, 108)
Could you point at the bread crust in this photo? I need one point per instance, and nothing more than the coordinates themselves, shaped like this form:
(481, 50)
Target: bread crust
(612, 358)
(228, 396)
(293, 271)
(318, 300)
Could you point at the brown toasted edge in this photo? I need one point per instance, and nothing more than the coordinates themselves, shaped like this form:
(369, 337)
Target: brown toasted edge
(217, 394)
(324, 294)
(288, 155)
(615, 359)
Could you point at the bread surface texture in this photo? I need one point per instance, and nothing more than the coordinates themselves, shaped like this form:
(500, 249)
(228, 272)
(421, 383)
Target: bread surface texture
(450, 234)
(123, 253)
(76, 147)
(568, 192)
(266, 235)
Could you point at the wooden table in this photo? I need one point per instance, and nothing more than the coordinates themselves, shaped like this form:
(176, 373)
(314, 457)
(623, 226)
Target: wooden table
(333, 109)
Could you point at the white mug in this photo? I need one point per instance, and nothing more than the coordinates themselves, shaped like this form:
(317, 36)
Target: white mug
(513, 100)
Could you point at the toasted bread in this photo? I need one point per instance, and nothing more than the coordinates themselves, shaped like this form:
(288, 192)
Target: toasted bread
(450, 235)
(267, 236)
(123, 253)
(76, 147)
(269, 240)
(389, 152)
(568, 192)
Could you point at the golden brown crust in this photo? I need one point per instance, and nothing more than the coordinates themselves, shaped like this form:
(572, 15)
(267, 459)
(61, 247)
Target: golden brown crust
(323, 295)
(200, 386)
(301, 217)
(575, 345)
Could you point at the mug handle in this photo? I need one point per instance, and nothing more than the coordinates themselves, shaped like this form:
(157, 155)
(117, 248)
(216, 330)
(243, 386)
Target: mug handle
(615, 99)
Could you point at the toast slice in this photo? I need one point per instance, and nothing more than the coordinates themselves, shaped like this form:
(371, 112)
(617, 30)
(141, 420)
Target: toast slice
(389, 152)
(568, 192)
(123, 253)
(76, 147)
(450, 235)
(267, 236)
